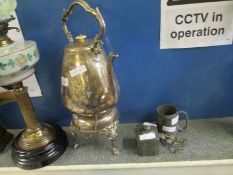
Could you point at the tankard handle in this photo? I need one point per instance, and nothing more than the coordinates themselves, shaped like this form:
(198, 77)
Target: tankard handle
(186, 121)
(94, 12)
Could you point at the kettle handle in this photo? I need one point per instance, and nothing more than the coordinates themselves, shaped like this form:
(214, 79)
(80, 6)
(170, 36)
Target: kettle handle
(94, 12)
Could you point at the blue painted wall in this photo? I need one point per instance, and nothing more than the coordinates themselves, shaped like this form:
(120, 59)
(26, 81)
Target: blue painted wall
(198, 80)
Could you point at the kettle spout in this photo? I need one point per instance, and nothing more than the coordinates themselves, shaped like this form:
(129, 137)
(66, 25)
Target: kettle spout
(111, 78)
(111, 58)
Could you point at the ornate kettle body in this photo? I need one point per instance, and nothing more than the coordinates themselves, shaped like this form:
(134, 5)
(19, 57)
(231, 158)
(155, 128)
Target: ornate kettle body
(89, 85)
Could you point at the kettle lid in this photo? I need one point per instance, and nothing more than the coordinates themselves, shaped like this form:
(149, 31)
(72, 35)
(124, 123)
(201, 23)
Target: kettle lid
(81, 44)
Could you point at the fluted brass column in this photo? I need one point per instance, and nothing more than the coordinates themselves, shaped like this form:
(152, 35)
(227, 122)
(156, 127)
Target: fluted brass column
(40, 143)
(25, 105)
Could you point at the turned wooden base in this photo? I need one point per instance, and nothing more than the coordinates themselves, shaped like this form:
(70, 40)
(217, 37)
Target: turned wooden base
(40, 157)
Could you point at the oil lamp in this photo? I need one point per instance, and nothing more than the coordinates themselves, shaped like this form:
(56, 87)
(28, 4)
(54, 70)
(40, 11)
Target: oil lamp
(40, 143)
(89, 86)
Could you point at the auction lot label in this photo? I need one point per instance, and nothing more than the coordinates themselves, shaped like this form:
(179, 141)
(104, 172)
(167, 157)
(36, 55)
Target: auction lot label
(196, 23)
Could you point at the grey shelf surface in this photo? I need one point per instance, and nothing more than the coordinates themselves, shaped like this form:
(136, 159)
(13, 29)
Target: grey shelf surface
(210, 139)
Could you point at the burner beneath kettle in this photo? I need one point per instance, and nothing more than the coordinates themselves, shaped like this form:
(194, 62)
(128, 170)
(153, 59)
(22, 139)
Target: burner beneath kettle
(104, 124)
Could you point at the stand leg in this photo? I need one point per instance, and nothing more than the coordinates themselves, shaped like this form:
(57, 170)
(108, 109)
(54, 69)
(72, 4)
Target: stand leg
(75, 135)
(115, 149)
(76, 140)
(111, 133)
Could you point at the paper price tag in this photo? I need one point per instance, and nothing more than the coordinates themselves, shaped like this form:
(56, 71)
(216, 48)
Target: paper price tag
(175, 120)
(64, 81)
(149, 124)
(148, 136)
(78, 70)
(169, 129)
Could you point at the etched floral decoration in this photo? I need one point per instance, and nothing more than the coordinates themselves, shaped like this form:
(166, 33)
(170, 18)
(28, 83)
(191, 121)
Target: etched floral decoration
(6, 8)
(17, 61)
(21, 60)
(10, 63)
(36, 53)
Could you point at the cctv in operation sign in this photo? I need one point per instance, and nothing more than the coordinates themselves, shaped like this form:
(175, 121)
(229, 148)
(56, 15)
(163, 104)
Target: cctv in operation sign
(196, 23)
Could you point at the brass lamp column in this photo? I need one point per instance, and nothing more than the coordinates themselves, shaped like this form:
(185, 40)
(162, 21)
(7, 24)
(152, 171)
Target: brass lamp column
(37, 134)
(39, 144)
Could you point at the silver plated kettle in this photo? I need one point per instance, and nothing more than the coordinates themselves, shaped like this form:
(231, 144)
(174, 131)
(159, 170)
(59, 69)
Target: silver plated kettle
(89, 86)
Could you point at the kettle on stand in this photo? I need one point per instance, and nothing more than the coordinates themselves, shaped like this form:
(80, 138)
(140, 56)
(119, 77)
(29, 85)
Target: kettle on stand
(89, 87)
